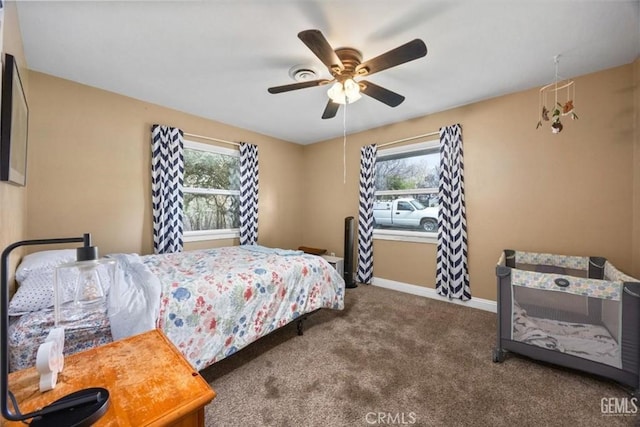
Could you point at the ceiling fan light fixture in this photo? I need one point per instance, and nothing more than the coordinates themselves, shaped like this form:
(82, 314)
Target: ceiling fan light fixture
(343, 93)
(344, 64)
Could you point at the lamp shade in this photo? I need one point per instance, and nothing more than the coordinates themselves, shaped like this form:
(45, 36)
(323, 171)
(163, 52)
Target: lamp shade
(81, 287)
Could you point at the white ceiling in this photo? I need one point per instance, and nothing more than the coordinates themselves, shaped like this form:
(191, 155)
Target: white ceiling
(216, 59)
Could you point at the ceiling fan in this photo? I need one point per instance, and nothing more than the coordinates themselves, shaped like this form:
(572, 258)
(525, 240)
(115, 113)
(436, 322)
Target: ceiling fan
(345, 64)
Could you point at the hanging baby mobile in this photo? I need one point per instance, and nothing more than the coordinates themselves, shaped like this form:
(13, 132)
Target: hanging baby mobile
(562, 93)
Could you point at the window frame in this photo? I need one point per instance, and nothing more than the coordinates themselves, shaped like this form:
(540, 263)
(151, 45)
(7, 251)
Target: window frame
(202, 235)
(407, 235)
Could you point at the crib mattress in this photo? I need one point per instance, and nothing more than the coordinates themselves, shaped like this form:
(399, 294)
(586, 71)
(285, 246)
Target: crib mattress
(27, 332)
(585, 340)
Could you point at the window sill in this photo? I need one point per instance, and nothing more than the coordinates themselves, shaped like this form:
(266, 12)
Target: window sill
(198, 236)
(406, 236)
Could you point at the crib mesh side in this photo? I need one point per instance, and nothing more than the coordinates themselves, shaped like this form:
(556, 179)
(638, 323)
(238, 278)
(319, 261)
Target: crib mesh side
(555, 310)
(630, 334)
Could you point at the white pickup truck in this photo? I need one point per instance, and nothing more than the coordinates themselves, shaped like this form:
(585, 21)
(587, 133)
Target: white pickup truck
(406, 213)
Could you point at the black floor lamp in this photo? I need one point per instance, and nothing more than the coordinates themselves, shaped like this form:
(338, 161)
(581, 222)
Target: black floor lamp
(81, 408)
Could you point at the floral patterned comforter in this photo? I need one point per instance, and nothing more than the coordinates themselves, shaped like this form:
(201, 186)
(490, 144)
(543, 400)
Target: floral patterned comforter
(217, 301)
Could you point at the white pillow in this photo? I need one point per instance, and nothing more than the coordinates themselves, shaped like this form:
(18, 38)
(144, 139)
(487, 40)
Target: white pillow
(47, 260)
(33, 294)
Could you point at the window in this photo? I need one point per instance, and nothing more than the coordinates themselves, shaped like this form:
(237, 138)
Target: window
(406, 193)
(404, 206)
(211, 192)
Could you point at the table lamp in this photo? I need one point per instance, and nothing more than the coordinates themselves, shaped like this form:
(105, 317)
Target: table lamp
(81, 408)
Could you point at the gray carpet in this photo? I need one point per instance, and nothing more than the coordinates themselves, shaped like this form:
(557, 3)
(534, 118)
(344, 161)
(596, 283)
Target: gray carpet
(395, 359)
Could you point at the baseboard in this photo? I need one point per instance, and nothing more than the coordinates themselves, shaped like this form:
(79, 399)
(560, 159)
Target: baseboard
(479, 303)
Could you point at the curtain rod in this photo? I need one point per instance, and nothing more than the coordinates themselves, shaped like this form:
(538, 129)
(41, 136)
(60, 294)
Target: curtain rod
(211, 139)
(410, 138)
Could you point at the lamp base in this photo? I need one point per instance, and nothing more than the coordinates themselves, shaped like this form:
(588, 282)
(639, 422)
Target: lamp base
(82, 408)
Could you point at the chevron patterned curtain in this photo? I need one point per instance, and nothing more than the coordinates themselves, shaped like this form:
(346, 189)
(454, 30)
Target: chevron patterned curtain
(167, 176)
(248, 194)
(452, 275)
(365, 216)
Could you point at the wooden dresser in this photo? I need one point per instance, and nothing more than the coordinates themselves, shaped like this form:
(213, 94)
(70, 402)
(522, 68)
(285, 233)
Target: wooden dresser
(150, 383)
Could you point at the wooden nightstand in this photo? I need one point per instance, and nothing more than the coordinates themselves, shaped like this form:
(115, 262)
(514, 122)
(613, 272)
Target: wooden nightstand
(150, 383)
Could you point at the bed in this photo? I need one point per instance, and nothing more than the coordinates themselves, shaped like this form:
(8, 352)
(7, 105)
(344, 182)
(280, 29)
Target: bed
(577, 312)
(210, 303)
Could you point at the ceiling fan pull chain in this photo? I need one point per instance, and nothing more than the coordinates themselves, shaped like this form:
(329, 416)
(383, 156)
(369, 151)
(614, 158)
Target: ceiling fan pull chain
(344, 143)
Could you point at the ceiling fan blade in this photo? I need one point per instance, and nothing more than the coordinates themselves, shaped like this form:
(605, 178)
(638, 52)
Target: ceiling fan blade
(386, 96)
(295, 86)
(321, 48)
(330, 110)
(407, 52)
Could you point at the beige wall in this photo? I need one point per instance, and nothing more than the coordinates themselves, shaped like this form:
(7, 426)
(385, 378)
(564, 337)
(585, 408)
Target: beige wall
(526, 189)
(90, 159)
(13, 199)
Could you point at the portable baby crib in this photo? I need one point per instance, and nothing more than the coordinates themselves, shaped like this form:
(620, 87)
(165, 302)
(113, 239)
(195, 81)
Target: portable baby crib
(577, 312)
